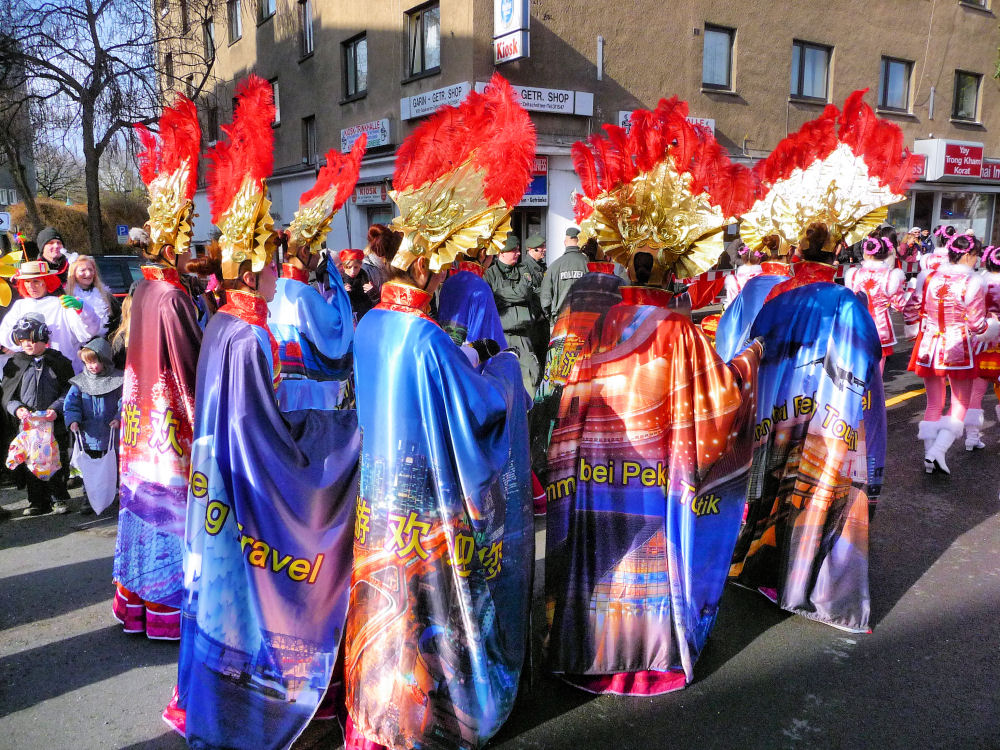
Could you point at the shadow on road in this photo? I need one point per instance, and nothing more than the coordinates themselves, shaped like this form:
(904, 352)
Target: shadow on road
(55, 591)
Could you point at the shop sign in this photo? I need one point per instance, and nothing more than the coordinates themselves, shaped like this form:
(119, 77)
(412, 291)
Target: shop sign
(950, 159)
(511, 19)
(421, 105)
(553, 101)
(625, 121)
(372, 194)
(537, 193)
(512, 46)
(991, 170)
(376, 130)
(920, 167)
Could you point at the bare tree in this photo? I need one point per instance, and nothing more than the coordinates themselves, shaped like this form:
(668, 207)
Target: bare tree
(15, 127)
(58, 172)
(111, 61)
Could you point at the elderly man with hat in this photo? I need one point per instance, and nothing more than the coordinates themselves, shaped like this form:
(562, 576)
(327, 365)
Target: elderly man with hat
(562, 274)
(521, 316)
(71, 322)
(52, 251)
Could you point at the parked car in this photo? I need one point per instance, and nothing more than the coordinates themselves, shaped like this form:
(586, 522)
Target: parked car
(119, 271)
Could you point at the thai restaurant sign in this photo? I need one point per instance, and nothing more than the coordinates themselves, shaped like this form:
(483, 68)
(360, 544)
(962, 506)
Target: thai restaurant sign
(951, 160)
(991, 170)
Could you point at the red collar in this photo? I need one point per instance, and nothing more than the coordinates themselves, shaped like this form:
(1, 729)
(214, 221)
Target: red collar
(163, 273)
(252, 308)
(405, 299)
(288, 271)
(811, 272)
(471, 267)
(645, 295)
(776, 268)
(601, 267)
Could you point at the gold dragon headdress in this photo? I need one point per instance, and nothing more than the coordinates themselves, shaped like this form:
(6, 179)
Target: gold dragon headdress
(237, 180)
(459, 176)
(168, 165)
(666, 187)
(333, 187)
(842, 169)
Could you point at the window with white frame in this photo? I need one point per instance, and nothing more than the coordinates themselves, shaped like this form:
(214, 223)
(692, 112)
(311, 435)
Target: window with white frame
(423, 40)
(305, 27)
(234, 19)
(355, 60)
(966, 104)
(717, 58)
(309, 150)
(810, 71)
(894, 84)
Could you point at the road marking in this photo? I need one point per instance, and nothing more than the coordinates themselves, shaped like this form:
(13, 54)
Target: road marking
(904, 397)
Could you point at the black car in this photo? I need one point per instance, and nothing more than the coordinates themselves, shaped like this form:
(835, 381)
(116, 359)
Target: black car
(119, 271)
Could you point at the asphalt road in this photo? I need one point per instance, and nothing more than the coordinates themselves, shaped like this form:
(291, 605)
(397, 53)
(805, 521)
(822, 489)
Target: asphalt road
(927, 677)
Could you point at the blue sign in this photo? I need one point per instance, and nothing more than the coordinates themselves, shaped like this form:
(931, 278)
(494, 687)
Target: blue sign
(122, 230)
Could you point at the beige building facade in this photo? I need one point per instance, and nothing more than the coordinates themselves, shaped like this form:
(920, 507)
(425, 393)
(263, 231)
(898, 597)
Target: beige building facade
(752, 71)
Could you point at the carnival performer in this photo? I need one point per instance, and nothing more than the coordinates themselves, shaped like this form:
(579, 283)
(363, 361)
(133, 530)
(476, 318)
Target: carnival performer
(732, 334)
(949, 303)
(467, 310)
(647, 462)
(883, 285)
(158, 396)
(69, 320)
(444, 542)
(987, 352)
(271, 499)
(748, 269)
(942, 235)
(820, 454)
(315, 332)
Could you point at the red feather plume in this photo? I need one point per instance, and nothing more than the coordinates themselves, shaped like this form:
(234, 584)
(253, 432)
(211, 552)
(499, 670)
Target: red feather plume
(179, 140)
(340, 170)
(249, 150)
(586, 169)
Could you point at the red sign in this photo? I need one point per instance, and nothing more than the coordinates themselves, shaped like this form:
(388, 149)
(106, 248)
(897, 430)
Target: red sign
(920, 167)
(991, 170)
(962, 161)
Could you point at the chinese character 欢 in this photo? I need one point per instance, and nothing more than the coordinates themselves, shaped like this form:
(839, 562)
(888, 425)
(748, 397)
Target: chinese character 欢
(163, 432)
(412, 529)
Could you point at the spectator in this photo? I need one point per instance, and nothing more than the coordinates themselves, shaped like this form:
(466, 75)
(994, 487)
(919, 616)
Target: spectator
(50, 248)
(910, 248)
(926, 241)
(35, 381)
(520, 312)
(119, 338)
(356, 282)
(84, 282)
(382, 244)
(94, 402)
(70, 322)
(562, 274)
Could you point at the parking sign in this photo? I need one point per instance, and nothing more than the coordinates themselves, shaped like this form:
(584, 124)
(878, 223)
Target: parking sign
(122, 231)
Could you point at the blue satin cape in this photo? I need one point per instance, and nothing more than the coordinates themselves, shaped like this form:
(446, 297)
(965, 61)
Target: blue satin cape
(467, 310)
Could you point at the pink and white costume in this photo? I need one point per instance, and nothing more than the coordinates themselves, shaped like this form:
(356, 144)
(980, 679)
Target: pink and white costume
(885, 287)
(930, 261)
(736, 281)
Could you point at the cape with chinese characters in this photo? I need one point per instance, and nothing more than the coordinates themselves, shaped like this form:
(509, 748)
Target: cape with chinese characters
(819, 458)
(315, 336)
(733, 333)
(467, 310)
(645, 488)
(155, 445)
(590, 297)
(444, 541)
(267, 549)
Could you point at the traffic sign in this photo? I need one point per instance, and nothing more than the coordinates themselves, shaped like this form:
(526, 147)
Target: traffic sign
(122, 231)
(4, 221)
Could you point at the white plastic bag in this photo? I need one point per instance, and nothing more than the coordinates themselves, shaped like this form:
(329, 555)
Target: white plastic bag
(100, 475)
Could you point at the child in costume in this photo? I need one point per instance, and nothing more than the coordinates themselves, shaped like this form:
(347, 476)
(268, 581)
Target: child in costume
(987, 352)
(94, 402)
(949, 303)
(883, 285)
(85, 283)
(943, 235)
(35, 382)
(356, 282)
(748, 269)
(158, 391)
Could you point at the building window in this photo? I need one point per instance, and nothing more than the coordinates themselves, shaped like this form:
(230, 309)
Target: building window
(356, 67)
(184, 16)
(266, 9)
(212, 124)
(306, 27)
(424, 40)
(717, 58)
(966, 106)
(309, 139)
(208, 39)
(810, 70)
(235, 22)
(168, 69)
(189, 85)
(277, 101)
(894, 84)
(984, 4)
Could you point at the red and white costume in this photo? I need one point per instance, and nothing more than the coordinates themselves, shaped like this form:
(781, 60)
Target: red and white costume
(736, 281)
(930, 261)
(885, 287)
(988, 353)
(950, 304)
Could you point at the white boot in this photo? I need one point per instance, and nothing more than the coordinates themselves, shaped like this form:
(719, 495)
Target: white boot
(927, 431)
(973, 429)
(951, 430)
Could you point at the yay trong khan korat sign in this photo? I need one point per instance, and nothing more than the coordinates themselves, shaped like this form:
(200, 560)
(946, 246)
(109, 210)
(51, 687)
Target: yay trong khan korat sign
(955, 161)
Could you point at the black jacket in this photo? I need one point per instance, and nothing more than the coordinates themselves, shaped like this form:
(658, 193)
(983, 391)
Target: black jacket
(56, 367)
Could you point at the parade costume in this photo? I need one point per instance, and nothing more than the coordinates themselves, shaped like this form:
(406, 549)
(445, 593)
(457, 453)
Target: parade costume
(818, 463)
(732, 334)
(884, 286)
(466, 308)
(444, 542)
(315, 333)
(735, 281)
(270, 506)
(158, 394)
(648, 459)
(987, 355)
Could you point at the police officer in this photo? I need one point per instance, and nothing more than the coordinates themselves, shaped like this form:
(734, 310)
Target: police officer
(534, 261)
(562, 274)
